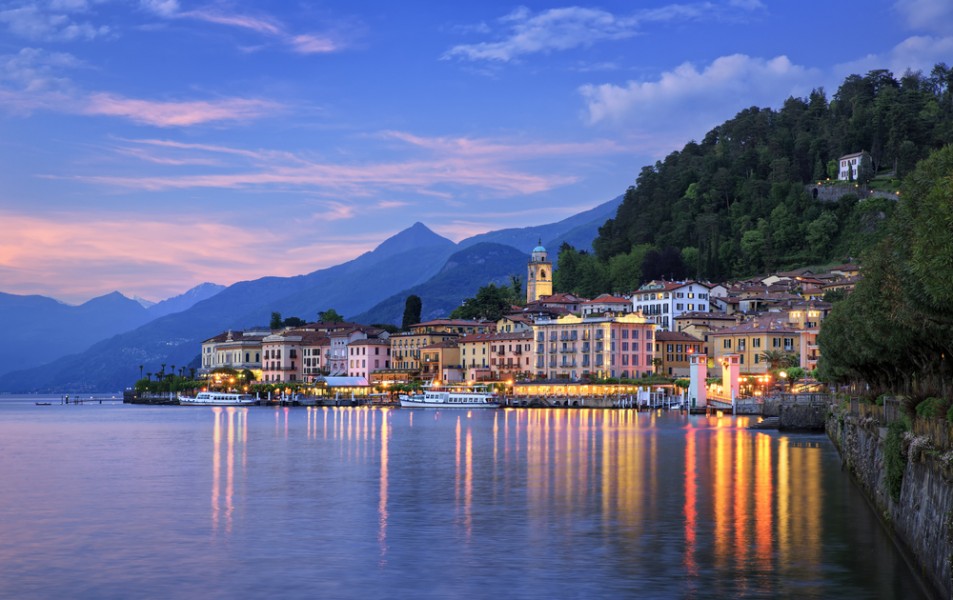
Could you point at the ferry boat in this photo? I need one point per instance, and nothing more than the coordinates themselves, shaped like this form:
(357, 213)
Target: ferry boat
(218, 399)
(451, 397)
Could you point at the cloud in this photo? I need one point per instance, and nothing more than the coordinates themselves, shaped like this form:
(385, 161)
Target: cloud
(299, 43)
(437, 166)
(55, 254)
(705, 96)
(927, 15)
(177, 114)
(50, 22)
(163, 8)
(554, 29)
(30, 80)
(916, 53)
(571, 27)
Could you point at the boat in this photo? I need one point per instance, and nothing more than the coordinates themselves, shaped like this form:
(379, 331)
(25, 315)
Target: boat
(434, 396)
(218, 399)
(43, 403)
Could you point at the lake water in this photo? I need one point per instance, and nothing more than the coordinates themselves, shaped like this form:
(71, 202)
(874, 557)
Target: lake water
(125, 501)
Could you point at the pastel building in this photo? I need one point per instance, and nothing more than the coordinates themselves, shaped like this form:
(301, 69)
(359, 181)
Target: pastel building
(367, 356)
(572, 347)
(751, 340)
(233, 350)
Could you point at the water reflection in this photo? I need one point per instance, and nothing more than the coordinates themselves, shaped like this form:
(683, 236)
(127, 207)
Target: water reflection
(363, 502)
(234, 422)
(382, 501)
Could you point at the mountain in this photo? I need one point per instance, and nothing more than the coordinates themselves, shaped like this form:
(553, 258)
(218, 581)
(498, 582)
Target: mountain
(461, 276)
(404, 260)
(578, 230)
(184, 301)
(374, 284)
(39, 329)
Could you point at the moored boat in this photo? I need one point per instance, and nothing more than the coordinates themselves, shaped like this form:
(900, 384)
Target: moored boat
(451, 397)
(218, 399)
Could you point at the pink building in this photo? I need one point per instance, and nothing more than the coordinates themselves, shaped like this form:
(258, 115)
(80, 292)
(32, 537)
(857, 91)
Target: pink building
(367, 356)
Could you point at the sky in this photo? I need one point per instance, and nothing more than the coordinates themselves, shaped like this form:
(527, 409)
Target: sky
(147, 146)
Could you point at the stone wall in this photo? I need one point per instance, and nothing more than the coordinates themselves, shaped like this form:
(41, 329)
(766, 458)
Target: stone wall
(794, 416)
(922, 520)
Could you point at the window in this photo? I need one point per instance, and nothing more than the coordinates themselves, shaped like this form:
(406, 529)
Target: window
(726, 344)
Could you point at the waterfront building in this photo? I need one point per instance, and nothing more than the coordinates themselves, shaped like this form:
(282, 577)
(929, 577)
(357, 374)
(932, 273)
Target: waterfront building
(539, 275)
(807, 317)
(314, 349)
(752, 339)
(336, 358)
(407, 347)
(475, 356)
(233, 350)
(663, 301)
(441, 362)
(573, 347)
(281, 355)
(675, 350)
(366, 356)
(511, 355)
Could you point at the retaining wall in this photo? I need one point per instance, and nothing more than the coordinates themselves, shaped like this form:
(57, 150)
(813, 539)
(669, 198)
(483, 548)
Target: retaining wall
(922, 520)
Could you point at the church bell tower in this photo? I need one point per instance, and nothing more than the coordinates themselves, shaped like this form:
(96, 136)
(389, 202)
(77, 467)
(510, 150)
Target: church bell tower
(539, 277)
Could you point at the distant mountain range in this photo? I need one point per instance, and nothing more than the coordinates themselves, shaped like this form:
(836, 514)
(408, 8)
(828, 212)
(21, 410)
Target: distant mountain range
(38, 330)
(372, 288)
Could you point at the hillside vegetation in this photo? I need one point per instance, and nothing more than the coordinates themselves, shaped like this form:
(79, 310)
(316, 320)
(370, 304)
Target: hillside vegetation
(739, 202)
(894, 333)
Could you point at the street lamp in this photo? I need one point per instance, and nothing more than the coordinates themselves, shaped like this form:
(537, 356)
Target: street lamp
(784, 379)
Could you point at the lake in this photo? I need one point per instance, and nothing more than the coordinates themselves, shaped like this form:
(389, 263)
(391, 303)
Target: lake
(131, 501)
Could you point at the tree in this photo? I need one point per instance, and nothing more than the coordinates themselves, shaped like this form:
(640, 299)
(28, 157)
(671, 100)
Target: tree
(275, 321)
(820, 232)
(412, 309)
(516, 282)
(330, 316)
(294, 322)
(490, 303)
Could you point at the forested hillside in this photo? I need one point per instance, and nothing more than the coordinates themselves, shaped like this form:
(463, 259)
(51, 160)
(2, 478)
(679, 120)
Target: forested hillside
(740, 201)
(895, 331)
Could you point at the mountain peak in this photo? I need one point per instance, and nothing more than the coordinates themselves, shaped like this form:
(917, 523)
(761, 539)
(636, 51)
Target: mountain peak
(414, 237)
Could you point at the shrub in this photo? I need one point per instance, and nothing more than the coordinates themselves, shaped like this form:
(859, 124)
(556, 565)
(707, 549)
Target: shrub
(931, 408)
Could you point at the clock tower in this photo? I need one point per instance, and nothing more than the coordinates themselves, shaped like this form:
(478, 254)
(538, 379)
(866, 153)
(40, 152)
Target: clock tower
(539, 277)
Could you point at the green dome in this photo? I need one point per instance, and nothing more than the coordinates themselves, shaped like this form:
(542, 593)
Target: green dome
(539, 249)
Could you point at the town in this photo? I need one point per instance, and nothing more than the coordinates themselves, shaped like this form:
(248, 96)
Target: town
(556, 345)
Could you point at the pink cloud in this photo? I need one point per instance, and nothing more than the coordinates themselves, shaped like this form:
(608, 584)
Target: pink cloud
(178, 114)
(76, 256)
(442, 166)
(258, 24)
(311, 44)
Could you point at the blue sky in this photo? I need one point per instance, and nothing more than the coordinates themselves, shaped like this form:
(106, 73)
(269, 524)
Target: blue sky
(148, 146)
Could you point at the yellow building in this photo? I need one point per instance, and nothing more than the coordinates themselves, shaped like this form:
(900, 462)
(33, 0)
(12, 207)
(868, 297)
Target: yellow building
(752, 340)
(475, 356)
(539, 276)
(441, 361)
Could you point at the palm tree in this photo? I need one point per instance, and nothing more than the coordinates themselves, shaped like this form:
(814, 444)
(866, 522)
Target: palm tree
(774, 358)
(140, 371)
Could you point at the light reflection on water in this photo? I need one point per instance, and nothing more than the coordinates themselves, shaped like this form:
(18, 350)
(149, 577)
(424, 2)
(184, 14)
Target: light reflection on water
(130, 501)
